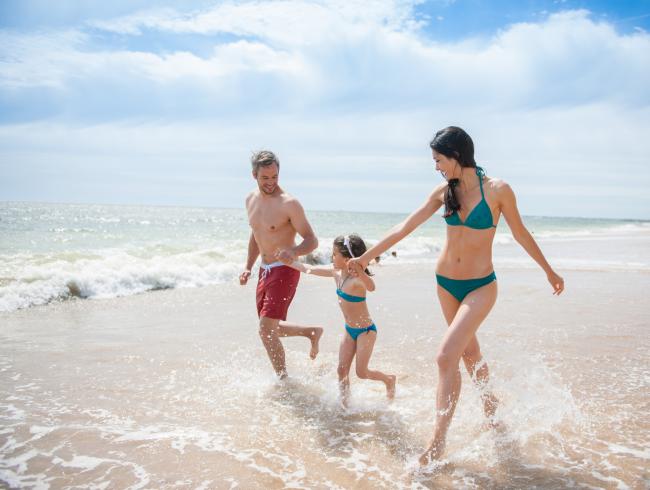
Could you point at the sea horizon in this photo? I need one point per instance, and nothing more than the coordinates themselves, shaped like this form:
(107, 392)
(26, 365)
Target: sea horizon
(307, 209)
(52, 252)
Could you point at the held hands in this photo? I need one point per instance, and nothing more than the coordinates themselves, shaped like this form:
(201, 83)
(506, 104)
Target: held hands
(557, 282)
(356, 266)
(243, 277)
(287, 256)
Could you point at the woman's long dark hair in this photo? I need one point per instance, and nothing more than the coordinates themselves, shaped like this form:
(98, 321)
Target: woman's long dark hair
(357, 246)
(454, 142)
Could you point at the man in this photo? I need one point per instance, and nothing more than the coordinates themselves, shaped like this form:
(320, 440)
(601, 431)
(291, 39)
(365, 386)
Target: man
(275, 218)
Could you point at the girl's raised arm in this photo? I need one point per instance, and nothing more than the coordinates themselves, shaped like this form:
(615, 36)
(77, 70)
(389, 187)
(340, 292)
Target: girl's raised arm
(367, 281)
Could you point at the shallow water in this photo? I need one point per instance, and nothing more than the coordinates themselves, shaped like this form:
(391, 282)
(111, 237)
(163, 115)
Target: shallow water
(173, 390)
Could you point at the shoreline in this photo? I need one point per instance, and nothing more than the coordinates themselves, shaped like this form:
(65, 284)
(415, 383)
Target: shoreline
(92, 389)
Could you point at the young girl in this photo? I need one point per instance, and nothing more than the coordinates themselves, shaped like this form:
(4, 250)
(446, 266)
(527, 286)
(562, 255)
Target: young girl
(360, 332)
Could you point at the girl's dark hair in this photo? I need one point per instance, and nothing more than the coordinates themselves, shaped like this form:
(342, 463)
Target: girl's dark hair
(454, 142)
(357, 245)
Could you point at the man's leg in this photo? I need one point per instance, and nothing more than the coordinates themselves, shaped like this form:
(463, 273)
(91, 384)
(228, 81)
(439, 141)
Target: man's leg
(314, 334)
(269, 333)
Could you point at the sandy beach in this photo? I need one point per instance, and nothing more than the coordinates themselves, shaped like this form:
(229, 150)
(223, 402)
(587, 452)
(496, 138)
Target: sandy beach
(151, 151)
(172, 389)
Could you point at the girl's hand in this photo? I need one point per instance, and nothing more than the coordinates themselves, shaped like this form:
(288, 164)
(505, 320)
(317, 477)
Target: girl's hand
(556, 281)
(356, 266)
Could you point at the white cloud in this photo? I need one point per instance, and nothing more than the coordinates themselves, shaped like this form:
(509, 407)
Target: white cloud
(363, 57)
(288, 23)
(337, 89)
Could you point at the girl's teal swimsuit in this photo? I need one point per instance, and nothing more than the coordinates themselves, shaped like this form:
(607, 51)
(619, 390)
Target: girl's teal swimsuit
(480, 218)
(354, 332)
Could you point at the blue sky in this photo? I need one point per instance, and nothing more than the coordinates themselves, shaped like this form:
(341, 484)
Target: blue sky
(162, 102)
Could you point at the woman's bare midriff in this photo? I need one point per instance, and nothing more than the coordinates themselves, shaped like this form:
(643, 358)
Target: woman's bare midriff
(467, 253)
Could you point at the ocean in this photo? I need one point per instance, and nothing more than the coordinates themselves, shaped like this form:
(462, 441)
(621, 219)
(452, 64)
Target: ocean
(130, 358)
(55, 252)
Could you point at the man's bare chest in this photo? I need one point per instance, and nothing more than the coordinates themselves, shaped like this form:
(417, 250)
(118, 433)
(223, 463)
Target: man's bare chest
(268, 219)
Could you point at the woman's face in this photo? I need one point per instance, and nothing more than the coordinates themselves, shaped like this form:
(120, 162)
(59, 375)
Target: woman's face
(448, 167)
(338, 261)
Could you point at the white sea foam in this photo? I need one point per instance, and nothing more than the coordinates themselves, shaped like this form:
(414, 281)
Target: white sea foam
(112, 275)
(55, 252)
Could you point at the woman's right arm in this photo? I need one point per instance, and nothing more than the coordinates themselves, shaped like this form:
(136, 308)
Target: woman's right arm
(403, 229)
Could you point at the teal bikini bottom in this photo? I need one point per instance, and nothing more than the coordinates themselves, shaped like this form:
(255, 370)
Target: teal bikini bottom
(355, 332)
(459, 288)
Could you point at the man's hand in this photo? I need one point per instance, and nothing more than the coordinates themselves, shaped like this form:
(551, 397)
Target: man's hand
(286, 256)
(243, 277)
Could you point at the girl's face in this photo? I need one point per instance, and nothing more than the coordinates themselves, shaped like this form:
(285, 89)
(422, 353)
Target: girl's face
(338, 261)
(448, 167)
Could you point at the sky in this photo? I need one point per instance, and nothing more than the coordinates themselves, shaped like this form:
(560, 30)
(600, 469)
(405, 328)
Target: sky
(163, 103)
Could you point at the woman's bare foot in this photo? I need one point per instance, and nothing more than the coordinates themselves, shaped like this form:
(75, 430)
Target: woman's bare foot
(433, 453)
(390, 387)
(497, 426)
(315, 339)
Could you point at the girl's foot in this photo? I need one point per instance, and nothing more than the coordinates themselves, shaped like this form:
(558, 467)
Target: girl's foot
(315, 339)
(433, 453)
(390, 386)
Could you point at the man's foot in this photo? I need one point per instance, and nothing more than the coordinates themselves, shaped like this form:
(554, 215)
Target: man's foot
(315, 339)
(433, 453)
(390, 387)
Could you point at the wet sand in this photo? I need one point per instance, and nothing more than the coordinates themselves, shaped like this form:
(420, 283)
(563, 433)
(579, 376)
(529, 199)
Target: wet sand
(173, 389)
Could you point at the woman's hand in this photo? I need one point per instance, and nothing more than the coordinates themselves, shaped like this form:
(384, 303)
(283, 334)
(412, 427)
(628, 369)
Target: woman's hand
(556, 281)
(356, 266)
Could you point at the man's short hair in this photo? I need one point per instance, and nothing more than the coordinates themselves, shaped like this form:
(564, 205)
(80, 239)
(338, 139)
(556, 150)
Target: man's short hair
(263, 158)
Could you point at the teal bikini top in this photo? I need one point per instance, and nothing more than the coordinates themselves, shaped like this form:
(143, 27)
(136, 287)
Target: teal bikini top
(348, 297)
(480, 218)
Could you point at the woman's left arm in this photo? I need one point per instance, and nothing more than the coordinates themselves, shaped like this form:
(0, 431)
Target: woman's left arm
(508, 204)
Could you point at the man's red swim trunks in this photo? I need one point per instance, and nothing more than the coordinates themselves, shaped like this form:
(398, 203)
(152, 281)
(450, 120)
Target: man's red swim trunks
(275, 290)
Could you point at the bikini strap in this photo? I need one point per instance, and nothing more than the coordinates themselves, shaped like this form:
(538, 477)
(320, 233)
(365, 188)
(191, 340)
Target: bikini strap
(342, 283)
(480, 173)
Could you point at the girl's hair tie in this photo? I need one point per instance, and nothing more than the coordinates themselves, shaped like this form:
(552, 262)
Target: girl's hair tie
(346, 242)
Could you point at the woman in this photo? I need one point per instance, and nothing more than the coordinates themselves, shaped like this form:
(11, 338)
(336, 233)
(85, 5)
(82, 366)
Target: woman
(467, 287)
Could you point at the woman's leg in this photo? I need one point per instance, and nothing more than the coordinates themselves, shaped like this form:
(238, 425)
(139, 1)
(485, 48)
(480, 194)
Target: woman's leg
(472, 358)
(346, 355)
(471, 312)
(365, 345)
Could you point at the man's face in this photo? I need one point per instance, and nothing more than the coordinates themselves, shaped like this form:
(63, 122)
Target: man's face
(267, 178)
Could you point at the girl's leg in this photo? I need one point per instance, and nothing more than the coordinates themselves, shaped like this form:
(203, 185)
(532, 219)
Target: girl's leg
(471, 312)
(365, 345)
(472, 358)
(346, 355)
